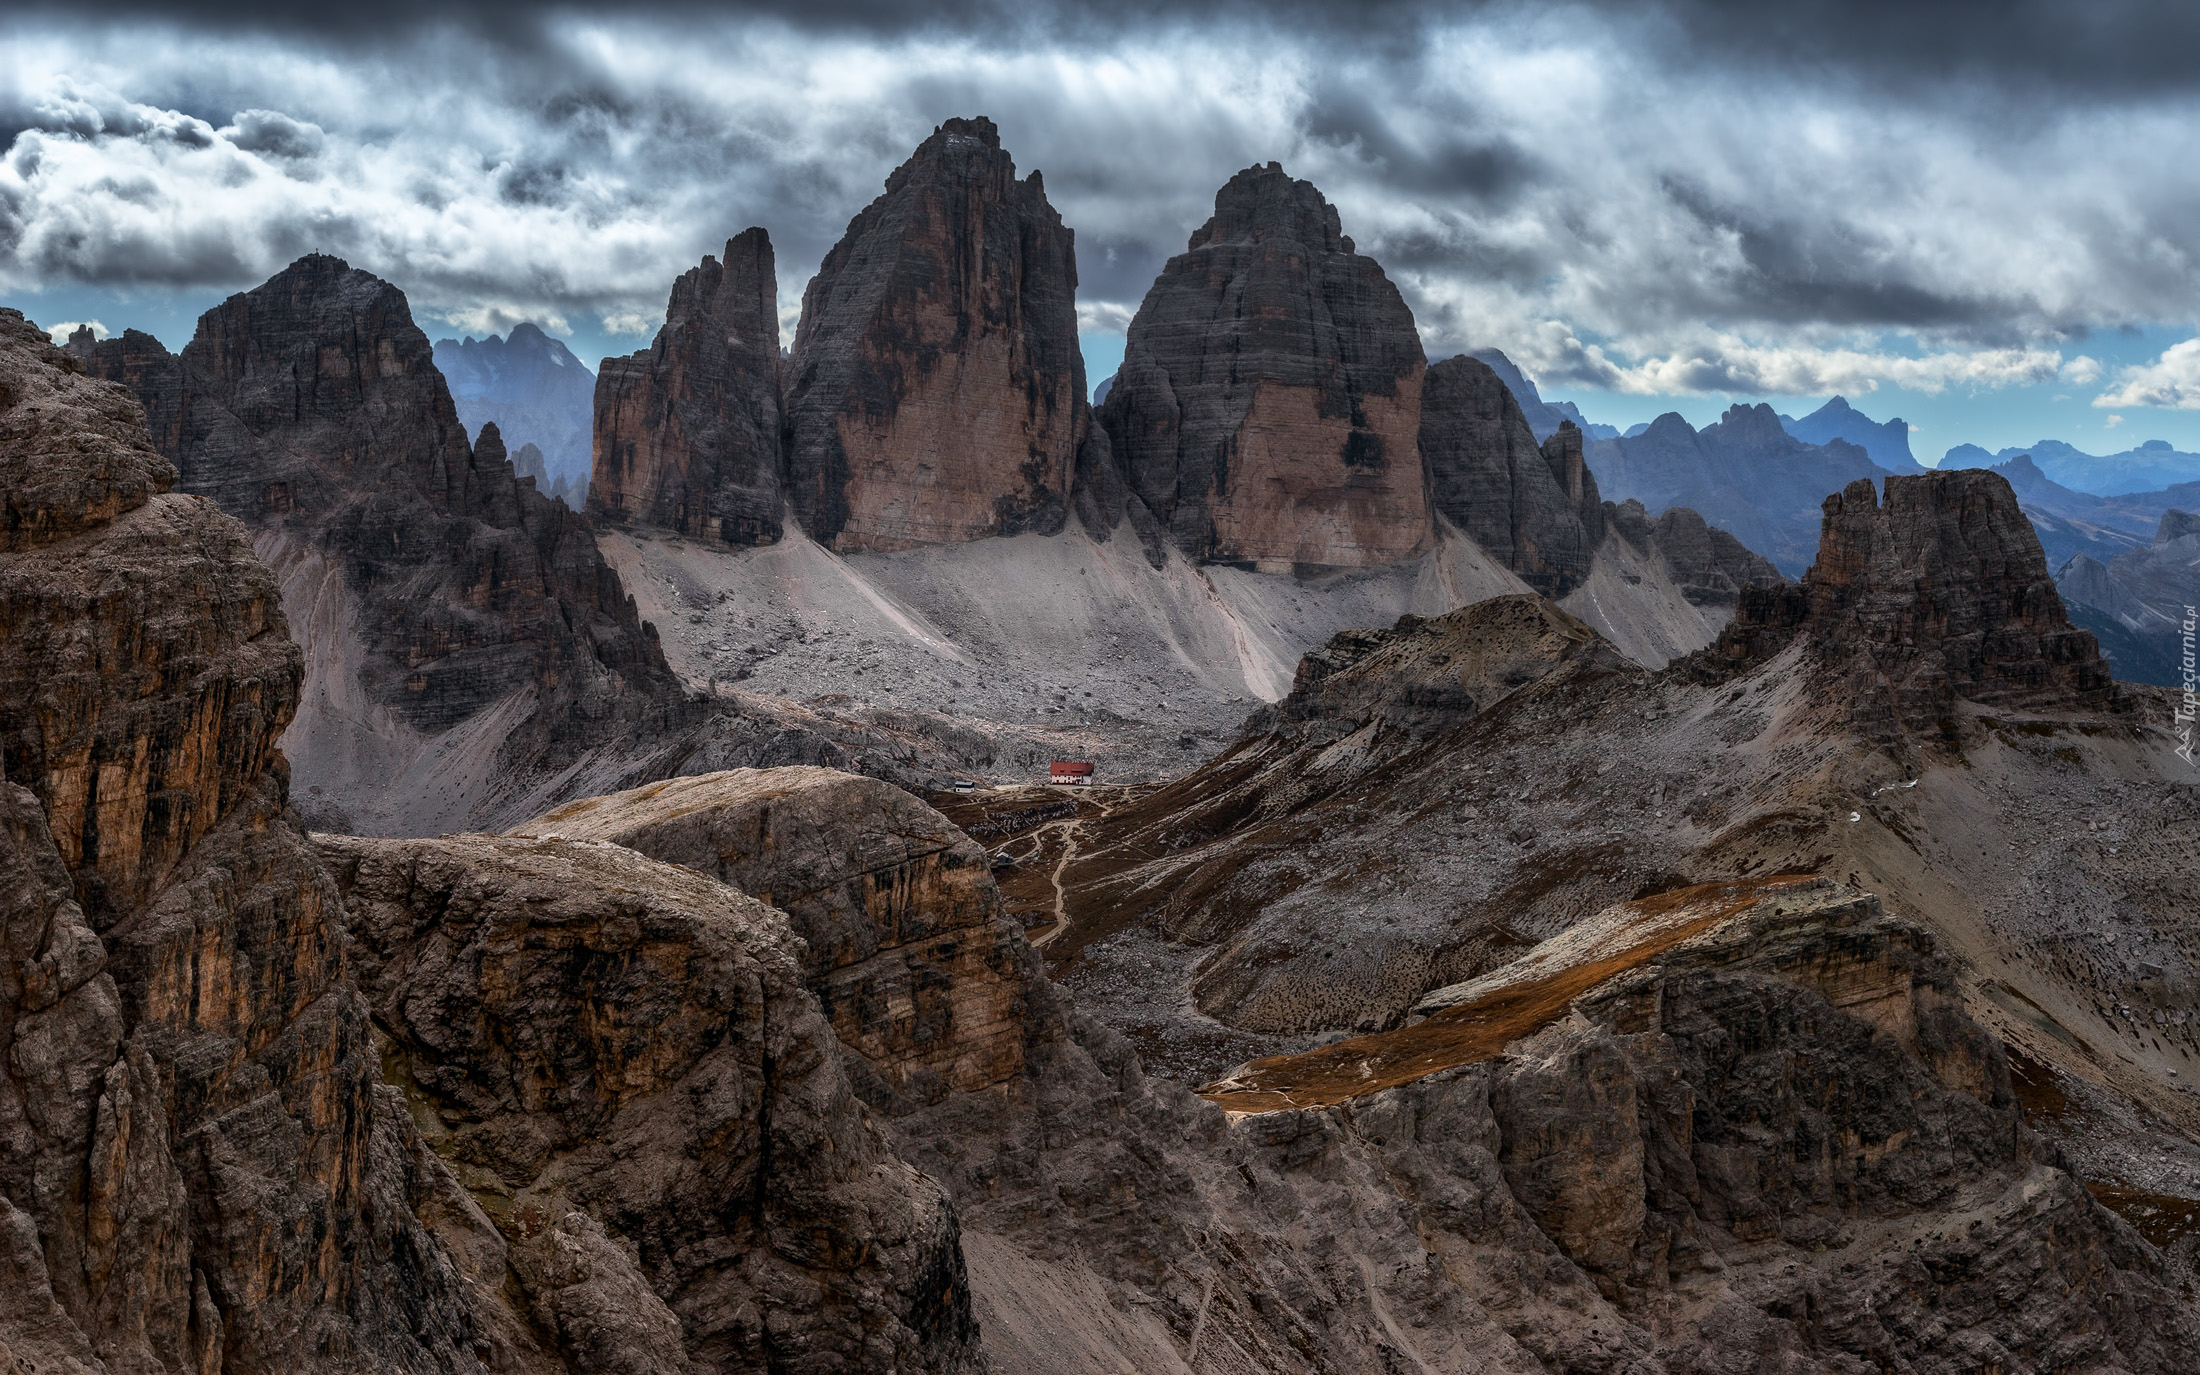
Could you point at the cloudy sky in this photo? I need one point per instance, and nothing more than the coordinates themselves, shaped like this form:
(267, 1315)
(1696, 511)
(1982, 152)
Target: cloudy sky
(1984, 218)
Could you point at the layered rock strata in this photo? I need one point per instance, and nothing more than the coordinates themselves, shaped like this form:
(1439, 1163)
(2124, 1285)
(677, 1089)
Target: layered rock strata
(687, 432)
(1939, 593)
(1710, 565)
(1534, 507)
(1268, 406)
(199, 1169)
(904, 939)
(936, 392)
(434, 588)
(620, 1061)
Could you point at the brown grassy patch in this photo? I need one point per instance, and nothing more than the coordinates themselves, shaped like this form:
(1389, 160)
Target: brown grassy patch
(2161, 1218)
(1477, 1031)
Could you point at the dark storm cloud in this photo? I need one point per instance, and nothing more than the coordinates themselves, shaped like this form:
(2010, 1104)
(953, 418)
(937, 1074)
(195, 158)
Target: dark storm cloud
(1620, 194)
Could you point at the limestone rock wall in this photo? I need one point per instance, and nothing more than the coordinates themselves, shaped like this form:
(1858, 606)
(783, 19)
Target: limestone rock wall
(620, 1061)
(1269, 402)
(1533, 507)
(936, 392)
(905, 942)
(688, 430)
(199, 1169)
(1940, 592)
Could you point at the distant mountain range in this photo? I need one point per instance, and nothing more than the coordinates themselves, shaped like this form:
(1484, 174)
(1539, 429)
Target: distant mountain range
(1746, 475)
(1544, 417)
(2151, 466)
(1888, 443)
(535, 391)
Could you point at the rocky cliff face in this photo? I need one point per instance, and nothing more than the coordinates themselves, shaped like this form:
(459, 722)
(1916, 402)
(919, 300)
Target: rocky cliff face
(620, 1061)
(906, 946)
(1269, 402)
(936, 392)
(1938, 594)
(1534, 508)
(434, 590)
(199, 1168)
(688, 431)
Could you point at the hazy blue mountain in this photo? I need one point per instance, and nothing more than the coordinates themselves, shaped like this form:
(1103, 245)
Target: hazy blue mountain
(1746, 475)
(2152, 466)
(2135, 603)
(2071, 523)
(1888, 442)
(1543, 416)
(535, 390)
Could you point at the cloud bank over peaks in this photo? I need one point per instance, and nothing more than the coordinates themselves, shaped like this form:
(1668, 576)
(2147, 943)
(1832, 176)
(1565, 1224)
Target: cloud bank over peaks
(1639, 198)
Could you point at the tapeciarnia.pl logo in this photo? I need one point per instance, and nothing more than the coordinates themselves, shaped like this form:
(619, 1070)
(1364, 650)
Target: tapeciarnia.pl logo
(2190, 706)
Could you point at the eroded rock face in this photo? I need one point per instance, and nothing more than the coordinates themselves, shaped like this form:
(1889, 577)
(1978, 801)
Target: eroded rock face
(1711, 566)
(1269, 404)
(435, 589)
(1535, 508)
(688, 431)
(619, 1058)
(906, 945)
(199, 1169)
(936, 392)
(1939, 593)
(1653, 1131)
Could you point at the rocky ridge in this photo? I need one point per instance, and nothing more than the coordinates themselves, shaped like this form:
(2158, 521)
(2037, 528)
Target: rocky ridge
(1310, 880)
(1938, 594)
(1534, 1207)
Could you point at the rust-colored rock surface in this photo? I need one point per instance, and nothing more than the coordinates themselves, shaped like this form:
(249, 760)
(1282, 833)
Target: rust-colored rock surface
(907, 947)
(688, 430)
(199, 1169)
(936, 392)
(1939, 593)
(1269, 404)
(620, 1061)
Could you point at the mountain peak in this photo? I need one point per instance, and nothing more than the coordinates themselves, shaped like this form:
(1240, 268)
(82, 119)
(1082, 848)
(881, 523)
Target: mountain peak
(1939, 593)
(1262, 203)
